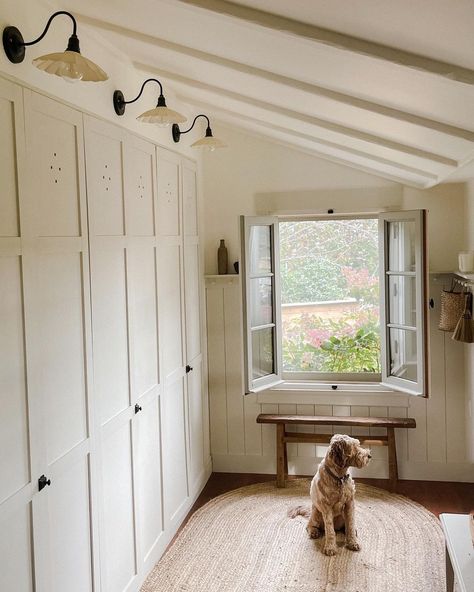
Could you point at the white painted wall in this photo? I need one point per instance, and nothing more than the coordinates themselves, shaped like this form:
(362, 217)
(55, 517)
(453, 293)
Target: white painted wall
(256, 176)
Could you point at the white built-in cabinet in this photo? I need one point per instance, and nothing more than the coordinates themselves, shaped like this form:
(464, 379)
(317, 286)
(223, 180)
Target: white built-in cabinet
(100, 349)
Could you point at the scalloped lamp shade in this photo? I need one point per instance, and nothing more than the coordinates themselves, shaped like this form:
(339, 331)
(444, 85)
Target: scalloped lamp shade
(71, 66)
(209, 143)
(161, 116)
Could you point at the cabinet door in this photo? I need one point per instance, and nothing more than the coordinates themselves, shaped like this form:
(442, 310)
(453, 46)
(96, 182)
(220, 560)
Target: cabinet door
(56, 286)
(105, 145)
(171, 315)
(18, 426)
(141, 252)
(192, 294)
(121, 178)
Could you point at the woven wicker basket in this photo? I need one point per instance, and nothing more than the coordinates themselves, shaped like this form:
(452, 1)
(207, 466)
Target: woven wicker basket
(452, 308)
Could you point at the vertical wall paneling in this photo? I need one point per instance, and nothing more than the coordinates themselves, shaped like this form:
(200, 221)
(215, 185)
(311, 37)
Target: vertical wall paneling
(455, 409)
(56, 283)
(233, 372)
(434, 450)
(306, 449)
(435, 411)
(217, 368)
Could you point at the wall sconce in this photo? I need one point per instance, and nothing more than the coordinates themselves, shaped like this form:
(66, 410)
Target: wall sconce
(160, 115)
(207, 143)
(69, 64)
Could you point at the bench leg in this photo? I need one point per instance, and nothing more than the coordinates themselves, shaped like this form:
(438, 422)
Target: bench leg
(392, 459)
(282, 466)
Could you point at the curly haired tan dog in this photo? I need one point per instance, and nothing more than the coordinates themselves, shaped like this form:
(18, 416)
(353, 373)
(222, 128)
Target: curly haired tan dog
(332, 493)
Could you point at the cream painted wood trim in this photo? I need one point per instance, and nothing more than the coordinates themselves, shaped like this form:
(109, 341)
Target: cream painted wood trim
(340, 41)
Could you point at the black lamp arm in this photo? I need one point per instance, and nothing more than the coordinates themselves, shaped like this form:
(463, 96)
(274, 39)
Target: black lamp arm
(141, 90)
(74, 29)
(192, 125)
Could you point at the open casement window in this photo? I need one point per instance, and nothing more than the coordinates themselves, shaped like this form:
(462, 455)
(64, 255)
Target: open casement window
(403, 306)
(261, 295)
(403, 301)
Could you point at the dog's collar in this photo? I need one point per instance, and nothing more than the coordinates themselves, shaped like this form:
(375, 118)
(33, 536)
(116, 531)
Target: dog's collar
(340, 480)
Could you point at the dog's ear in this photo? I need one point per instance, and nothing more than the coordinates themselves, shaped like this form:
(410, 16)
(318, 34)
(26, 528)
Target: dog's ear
(338, 451)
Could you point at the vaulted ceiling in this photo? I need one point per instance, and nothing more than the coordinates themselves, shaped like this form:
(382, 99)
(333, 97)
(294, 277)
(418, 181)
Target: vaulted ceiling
(383, 86)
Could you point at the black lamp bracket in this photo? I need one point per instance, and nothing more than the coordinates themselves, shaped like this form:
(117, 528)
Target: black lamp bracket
(120, 102)
(177, 133)
(14, 44)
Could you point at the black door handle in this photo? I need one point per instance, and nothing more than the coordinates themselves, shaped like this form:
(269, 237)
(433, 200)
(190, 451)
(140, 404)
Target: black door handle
(137, 408)
(188, 369)
(42, 482)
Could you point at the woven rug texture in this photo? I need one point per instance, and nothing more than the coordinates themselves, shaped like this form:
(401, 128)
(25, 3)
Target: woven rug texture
(243, 541)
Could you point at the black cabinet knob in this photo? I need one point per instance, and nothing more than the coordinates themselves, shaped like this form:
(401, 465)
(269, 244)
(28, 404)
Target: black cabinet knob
(188, 369)
(137, 408)
(42, 482)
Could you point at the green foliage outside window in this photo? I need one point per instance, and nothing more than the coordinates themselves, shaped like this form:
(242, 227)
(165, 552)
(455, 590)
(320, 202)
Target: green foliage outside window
(331, 261)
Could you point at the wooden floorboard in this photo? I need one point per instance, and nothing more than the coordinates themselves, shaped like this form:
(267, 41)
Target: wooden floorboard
(436, 496)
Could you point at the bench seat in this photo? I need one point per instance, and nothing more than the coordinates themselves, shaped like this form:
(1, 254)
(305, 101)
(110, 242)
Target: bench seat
(285, 437)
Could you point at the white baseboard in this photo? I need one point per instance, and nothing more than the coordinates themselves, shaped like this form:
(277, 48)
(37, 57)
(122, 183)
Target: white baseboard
(377, 469)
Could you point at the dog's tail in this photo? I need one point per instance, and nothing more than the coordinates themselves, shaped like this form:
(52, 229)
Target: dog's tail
(299, 511)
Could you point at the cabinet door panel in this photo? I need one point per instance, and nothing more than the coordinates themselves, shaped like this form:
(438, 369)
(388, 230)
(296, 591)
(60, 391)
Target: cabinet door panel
(190, 221)
(16, 573)
(193, 302)
(110, 333)
(141, 266)
(104, 180)
(59, 343)
(174, 452)
(139, 180)
(196, 432)
(148, 477)
(170, 306)
(168, 195)
(13, 403)
(9, 202)
(69, 528)
(52, 133)
(118, 556)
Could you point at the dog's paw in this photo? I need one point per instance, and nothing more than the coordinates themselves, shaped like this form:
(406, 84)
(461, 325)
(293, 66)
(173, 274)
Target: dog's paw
(329, 551)
(314, 532)
(353, 545)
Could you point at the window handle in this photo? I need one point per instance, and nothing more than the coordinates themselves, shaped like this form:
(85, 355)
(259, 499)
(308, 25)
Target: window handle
(137, 408)
(188, 369)
(42, 482)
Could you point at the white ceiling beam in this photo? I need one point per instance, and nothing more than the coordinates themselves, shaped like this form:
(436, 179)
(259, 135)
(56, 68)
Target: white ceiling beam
(371, 139)
(315, 90)
(335, 39)
(283, 136)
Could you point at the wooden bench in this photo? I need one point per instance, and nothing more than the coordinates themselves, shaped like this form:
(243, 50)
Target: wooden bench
(284, 437)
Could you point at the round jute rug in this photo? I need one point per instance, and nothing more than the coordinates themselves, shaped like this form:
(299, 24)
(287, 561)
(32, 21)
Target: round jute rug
(243, 541)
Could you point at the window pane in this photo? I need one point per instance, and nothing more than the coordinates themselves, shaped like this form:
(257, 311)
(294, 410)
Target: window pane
(402, 351)
(262, 352)
(401, 250)
(261, 301)
(330, 296)
(260, 250)
(402, 300)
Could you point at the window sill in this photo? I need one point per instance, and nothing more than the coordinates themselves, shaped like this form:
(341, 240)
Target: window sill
(306, 392)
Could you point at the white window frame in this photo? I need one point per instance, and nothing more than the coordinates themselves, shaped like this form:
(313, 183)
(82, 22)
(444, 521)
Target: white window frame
(262, 383)
(420, 387)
